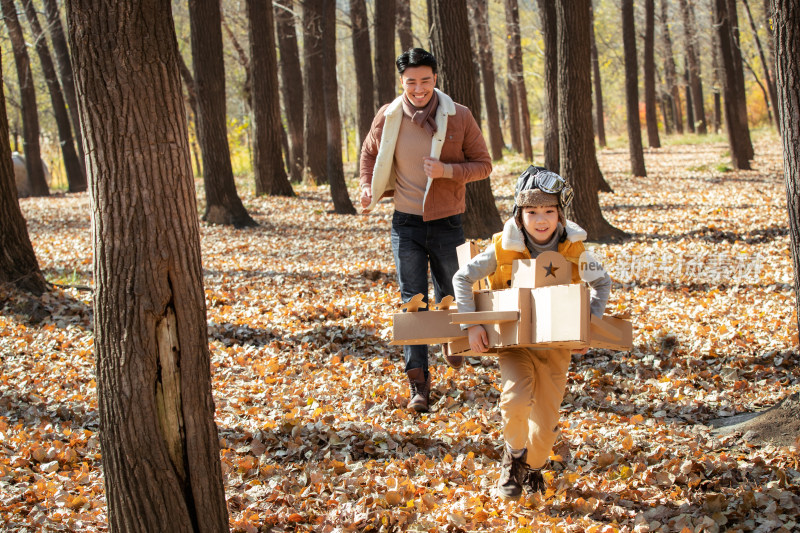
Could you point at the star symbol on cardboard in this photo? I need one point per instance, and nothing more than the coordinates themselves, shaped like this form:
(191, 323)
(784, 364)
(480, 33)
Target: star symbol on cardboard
(551, 270)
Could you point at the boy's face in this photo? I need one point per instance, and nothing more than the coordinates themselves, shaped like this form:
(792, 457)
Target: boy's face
(418, 84)
(540, 222)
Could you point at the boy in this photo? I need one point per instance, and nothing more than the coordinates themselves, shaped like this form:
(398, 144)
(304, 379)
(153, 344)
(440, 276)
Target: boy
(533, 380)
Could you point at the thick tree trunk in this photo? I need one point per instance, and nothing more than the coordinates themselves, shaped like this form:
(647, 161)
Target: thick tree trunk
(576, 139)
(785, 16)
(18, 264)
(600, 121)
(547, 12)
(405, 32)
(517, 77)
(61, 51)
(486, 56)
(690, 123)
(316, 161)
(223, 205)
(690, 34)
(651, 116)
(76, 179)
(768, 77)
(670, 72)
(448, 21)
(292, 84)
(733, 88)
(632, 90)
(159, 443)
(37, 185)
(385, 76)
(362, 59)
(270, 174)
(513, 115)
(341, 200)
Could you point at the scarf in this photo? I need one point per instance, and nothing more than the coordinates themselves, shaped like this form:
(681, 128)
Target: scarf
(424, 117)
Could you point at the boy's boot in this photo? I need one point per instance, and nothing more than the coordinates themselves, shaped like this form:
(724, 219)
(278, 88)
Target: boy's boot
(512, 474)
(534, 480)
(454, 361)
(420, 389)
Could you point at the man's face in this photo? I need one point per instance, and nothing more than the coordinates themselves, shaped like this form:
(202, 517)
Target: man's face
(418, 84)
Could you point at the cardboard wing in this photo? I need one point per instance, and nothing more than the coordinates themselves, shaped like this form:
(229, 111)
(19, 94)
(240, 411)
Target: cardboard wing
(425, 327)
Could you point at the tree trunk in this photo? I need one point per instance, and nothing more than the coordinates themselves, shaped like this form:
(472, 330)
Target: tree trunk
(481, 20)
(576, 140)
(341, 200)
(513, 115)
(18, 264)
(362, 59)
(670, 72)
(404, 29)
(690, 34)
(715, 84)
(768, 78)
(733, 88)
(689, 100)
(316, 162)
(37, 185)
(64, 63)
(270, 174)
(632, 90)
(449, 21)
(547, 12)
(651, 115)
(517, 76)
(785, 17)
(76, 179)
(292, 86)
(385, 77)
(600, 122)
(223, 205)
(159, 443)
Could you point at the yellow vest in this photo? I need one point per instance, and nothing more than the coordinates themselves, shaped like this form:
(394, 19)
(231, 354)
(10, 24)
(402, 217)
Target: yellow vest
(501, 279)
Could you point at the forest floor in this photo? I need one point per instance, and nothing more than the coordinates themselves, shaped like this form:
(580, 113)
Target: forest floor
(310, 397)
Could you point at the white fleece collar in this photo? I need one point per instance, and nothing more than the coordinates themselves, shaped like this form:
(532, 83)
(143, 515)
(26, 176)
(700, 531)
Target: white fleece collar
(446, 105)
(514, 240)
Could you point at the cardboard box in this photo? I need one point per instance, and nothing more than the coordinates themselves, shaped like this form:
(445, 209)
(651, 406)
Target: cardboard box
(611, 333)
(465, 253)
(425, 327)
(507, 333)
(547, 270)
(561, 316)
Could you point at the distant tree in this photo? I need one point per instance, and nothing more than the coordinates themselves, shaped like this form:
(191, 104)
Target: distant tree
(670, 72)
(18, 264)
(480, 19)
(632, 90)
(362, 59)
(315, 137)
(733, 84)
(716, 83)
(159, 442)
(786, 24)
(223, 205)
(695, 80)
(512, 115)
(600, 122)
(768, 77)
(650, 75)
(517, 77)
(270, 174)
(30, 117)
(292, 84)
(405, 32)
(547, 13)
(385, 72)
(690, 123)
(341, 200)
(76, 179)
(576, 138)
(448, 20)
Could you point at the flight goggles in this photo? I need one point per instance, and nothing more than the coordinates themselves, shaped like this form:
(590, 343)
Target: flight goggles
(544, 180)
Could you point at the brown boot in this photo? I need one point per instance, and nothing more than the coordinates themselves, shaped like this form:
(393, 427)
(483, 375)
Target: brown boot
(512, 474)
(420, 389)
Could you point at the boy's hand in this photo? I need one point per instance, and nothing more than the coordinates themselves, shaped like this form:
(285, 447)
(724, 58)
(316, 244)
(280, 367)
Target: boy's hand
(478, 340)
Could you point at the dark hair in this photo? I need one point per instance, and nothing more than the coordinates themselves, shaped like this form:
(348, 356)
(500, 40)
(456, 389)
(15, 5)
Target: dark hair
(415, 57)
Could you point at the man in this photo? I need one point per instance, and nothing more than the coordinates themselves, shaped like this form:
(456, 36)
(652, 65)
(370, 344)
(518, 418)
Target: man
(423, 149)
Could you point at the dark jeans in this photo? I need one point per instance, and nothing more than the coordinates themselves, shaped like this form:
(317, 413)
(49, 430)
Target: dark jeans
(415, 245)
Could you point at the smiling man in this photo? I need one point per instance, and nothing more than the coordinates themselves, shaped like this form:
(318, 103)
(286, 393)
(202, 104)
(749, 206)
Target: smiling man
(423, 149)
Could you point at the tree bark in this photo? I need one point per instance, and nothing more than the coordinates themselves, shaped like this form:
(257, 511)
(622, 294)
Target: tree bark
(61, 50)
(385, 77)
(292, 84)
(449, 21)
(480, 18)
(159, 442)
(576, 139)
(651, 115)
(600, 122)
(362, 59)
(690, 123)
(37, 185)
(341, 200)
(513, 115)
(632, 90)
(405, 32)
(76, 179)
(768, 78)
(786, 24)
(223, 205)
(670, 72)
(517, 77)
(547, 13)
(716, 119)
(270, 174)
(316, 161)
(690, 34)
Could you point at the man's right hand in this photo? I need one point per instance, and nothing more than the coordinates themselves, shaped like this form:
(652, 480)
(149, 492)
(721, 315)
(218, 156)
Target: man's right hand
(478, 339)
(366, 197)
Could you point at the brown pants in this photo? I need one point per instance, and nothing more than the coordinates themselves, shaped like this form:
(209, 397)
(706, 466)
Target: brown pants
(533, 383)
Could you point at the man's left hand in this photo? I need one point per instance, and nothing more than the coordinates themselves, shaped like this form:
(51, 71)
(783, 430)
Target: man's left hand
(433, 167)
